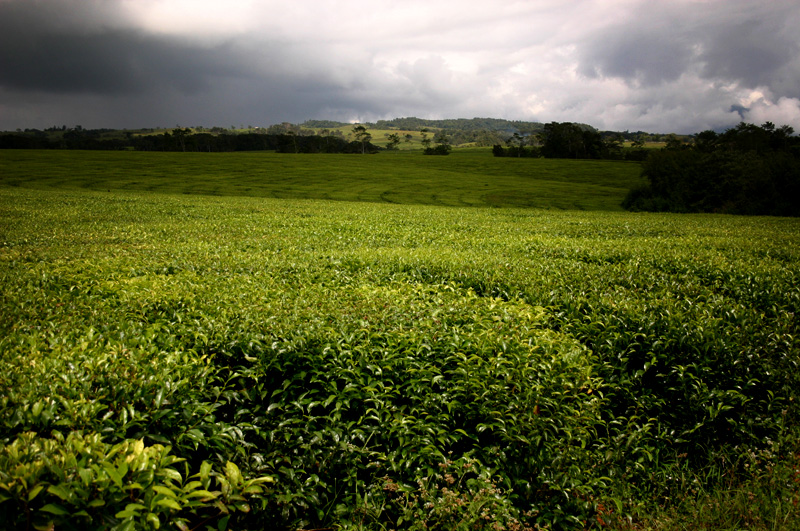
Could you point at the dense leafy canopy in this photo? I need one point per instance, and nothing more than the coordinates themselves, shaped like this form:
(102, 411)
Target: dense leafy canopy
(746, 170)
(568, 141)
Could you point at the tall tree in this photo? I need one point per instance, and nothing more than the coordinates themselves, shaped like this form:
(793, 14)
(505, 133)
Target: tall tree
(362, 135)
(394, 140)
(517, 143)
(570, 141)
(426, 142)
(443, 146)
(180, 134)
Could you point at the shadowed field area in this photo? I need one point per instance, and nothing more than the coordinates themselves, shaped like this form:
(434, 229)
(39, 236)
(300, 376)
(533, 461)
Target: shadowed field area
(464, 178)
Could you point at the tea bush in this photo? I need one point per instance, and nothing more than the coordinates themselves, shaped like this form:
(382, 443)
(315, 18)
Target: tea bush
(255, 363)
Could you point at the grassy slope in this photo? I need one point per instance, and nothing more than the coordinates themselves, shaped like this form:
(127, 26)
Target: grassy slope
(464, 178)
(379, 136)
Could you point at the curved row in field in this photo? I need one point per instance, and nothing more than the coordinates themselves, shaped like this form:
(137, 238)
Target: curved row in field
(467, 178)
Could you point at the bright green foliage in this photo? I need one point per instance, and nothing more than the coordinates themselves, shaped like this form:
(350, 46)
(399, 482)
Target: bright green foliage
(292, 364)
(80, 482)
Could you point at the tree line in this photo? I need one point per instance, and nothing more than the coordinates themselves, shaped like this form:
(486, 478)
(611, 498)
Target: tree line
(282, 138)
(568, 140)
(748, 169)
(478, 132)
(451, 125)
(184, 139)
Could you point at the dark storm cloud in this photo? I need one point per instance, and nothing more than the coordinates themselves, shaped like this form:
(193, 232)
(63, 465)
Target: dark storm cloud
(636, 56)
(754, 51)
(64, 58)
(681, 65)
(38, 52)
(727, 41)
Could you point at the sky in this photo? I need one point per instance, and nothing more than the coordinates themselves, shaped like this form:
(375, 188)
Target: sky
(679, 66)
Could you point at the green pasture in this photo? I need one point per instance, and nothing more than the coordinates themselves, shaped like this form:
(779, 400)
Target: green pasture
(264, 341)
(379, 136)
(464, 178)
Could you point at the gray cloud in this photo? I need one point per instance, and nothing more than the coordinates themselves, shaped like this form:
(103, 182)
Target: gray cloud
(678, 66)
(733, 41)
(754, 49)
(38, 54)
(636, 56)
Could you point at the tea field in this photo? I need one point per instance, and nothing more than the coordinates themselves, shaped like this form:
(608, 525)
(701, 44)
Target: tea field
(191, 361)
(464, 178)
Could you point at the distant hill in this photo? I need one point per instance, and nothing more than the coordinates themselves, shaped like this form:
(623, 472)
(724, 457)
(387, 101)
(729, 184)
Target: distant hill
(464, 124)
(453, 124)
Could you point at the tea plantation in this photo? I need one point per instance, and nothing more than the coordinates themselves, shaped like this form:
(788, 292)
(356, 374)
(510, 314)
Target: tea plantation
(203, 362)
